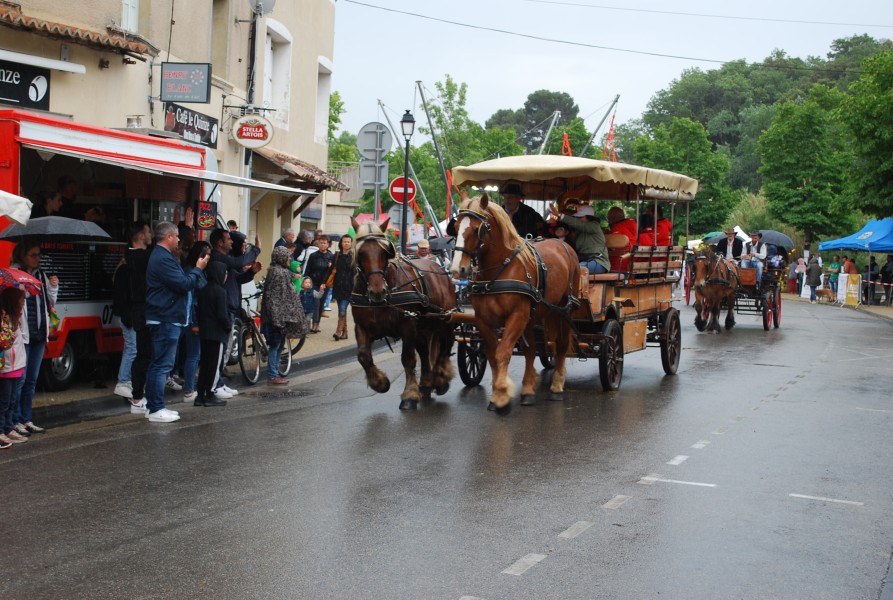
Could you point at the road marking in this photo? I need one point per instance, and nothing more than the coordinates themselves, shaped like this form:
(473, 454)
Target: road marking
(524, 563)
(880, 410)
(650, 479)
(827, 499)
(677, 460)
(740, 418)
(575, 529)
(616, 502)
(721, 430)
(754, 408)
(701, 444)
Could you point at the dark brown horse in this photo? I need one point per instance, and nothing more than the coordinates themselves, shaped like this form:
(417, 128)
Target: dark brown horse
(395, 297)
(515, 285)
(715, 280)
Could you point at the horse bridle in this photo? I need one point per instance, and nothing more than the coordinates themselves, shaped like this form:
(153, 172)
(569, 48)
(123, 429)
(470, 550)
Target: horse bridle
(386, 245)
(712, 268)
(483, 230)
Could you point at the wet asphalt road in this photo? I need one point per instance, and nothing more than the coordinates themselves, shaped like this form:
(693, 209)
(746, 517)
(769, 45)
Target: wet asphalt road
(762, 470)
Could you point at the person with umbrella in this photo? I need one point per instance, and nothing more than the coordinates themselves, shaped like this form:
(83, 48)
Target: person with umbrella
(26, 257)
(755, 254)
(12, 341)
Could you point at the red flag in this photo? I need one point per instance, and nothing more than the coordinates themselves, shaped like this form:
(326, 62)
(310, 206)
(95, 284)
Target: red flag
(566, 146)
(609, 142)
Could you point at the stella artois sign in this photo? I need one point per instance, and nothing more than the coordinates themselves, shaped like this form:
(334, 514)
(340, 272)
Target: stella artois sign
(252, 131)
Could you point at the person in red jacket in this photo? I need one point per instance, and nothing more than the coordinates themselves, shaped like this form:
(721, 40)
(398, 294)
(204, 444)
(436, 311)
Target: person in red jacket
(619, 224)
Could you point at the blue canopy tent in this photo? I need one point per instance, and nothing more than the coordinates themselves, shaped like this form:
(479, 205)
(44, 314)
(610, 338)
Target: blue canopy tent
(875, 236)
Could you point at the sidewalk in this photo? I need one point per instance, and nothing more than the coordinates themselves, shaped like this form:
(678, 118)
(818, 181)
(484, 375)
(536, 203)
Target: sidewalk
(885, 312)
(84, 401)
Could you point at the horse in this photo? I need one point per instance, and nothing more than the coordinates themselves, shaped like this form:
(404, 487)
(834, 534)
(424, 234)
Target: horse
(515, 285)
(715, 279)
(407, 299)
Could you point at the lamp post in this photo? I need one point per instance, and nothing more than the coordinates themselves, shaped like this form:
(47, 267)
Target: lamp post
(407, 124)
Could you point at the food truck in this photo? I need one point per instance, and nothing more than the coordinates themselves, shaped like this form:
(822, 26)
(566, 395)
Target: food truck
(129, 176)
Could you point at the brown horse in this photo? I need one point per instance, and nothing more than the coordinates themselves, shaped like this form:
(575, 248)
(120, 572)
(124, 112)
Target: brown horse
(715, 280)
(515, 285)
(395, 297)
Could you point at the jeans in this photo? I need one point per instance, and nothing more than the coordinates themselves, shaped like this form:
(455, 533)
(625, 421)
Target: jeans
(594, 267)
(328, 298)
(812, 290)
(193, 348)
(7, 402)
(26, 383)
(275, 342)
(833, 284)
(342, 307)
(129, 354)
(754, 263)
(165, 338)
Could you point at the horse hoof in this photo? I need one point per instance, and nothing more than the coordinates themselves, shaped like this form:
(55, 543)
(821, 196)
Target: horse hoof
(442, 389)
(409, 404)
(491, 407)
(382, 387)
(528, 399)
(504, 410)
(556, 396)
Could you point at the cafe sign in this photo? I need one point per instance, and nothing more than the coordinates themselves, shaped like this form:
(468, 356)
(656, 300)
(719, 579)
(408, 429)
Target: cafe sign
(252, 131)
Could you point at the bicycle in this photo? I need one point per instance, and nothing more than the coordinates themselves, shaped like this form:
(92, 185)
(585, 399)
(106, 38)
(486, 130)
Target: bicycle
(253, 349)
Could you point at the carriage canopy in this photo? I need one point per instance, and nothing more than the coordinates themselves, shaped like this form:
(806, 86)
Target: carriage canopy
(547, 177)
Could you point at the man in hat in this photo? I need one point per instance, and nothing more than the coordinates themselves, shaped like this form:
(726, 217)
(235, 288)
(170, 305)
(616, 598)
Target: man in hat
(528, 223)
(590, 242)
(755, 254)
(730, 247)
(424, 249)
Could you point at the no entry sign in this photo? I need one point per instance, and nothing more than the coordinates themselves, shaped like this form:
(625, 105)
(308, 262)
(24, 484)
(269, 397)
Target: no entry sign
(396, 190)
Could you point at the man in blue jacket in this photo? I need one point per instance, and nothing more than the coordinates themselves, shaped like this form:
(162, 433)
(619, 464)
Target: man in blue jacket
(166, 314)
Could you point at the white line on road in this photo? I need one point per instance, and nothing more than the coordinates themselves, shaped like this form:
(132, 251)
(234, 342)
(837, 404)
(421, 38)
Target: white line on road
(721, 430)
(701, 444)
(650, 479)
(575, 529)
(827, 499)
(677, 460)
(880, 410)
(524, 563)
(616, 502)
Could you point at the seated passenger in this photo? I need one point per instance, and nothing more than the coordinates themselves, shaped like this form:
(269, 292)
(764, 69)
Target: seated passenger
(590, 239)
(664, 229)
(755, 254)
(621, 225)
(646, 230)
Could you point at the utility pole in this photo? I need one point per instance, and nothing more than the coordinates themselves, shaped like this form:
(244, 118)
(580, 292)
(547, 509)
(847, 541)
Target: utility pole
(602, 122)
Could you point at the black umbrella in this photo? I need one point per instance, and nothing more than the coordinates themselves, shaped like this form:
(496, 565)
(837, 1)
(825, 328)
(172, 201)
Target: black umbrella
(777, 238)
(50, 227)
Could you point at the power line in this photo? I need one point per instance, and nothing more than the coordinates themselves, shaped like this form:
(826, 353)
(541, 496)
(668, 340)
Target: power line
(708, 16)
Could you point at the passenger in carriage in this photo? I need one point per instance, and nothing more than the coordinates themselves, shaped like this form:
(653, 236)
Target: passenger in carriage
(755, 255)
(590, 242)
(646, 230)
(619, 224)
(664, 228)
(528, 223)
(731, 247)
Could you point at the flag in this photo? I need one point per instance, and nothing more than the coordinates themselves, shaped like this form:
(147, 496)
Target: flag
(566, 146)
(609, 142)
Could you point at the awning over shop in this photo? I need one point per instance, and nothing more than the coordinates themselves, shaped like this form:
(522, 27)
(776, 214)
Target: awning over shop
(182, 172)
(309, 176)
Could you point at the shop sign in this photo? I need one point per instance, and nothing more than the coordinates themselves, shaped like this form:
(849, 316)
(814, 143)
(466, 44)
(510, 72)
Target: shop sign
(207, 215)
(24, 86)
(252, 131)
(190, 125)
(186, 82)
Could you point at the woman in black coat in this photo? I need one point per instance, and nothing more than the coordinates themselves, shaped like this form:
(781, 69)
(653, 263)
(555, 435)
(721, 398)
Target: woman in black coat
(214, 327)
(340, 279)
(318, 267)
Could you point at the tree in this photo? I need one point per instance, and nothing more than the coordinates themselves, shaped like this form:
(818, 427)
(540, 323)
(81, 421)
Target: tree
(342, 149)
(682, 146)
(803, 166)
(868, 113)
(532, 122)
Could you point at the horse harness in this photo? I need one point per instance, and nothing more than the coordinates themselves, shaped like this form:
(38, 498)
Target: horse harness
(714, 274)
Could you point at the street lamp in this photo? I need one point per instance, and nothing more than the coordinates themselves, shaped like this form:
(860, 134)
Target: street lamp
(407, 124)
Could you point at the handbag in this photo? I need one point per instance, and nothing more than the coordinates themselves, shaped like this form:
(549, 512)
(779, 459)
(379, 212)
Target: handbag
(7, 333)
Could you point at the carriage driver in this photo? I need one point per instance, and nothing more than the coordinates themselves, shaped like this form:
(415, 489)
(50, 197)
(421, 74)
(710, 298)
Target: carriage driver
(755, 255)
(590, 243)
(730, 247)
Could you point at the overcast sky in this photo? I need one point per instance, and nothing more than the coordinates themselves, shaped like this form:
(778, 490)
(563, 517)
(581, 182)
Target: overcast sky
(502, 50)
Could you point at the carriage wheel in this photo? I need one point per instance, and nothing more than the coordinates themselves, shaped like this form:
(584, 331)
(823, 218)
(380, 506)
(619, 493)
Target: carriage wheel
(472, 357)
(776, 314)
(766, 302)
(610, 360)
(671, 342)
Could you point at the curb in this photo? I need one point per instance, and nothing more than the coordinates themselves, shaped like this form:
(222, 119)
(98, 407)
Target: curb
(110, 405)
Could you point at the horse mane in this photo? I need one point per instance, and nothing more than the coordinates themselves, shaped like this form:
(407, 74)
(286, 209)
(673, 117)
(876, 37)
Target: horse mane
(499, 219)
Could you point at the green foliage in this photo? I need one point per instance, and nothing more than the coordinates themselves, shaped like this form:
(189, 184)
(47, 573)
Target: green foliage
(342, 149)
(682, 146)
(868, 112)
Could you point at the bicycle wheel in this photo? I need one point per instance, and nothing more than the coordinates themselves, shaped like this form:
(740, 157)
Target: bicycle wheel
(296, 344)
(250, 354)
(285, 360)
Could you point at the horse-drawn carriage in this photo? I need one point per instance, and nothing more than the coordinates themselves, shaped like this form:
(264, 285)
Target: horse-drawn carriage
(532, 298)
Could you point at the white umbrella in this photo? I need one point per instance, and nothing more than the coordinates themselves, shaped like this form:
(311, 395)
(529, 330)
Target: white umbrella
(13, 209)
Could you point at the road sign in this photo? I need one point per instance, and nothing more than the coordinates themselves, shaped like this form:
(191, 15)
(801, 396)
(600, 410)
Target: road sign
(374, 141)
(396, 190)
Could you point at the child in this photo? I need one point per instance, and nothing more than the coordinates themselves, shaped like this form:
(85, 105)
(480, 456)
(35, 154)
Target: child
(309, 299)
(214, 327)
(295, 267)
(12, 302)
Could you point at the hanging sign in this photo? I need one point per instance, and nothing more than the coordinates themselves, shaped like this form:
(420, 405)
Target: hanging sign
(207, 215)
(252, 131)
(186, 82)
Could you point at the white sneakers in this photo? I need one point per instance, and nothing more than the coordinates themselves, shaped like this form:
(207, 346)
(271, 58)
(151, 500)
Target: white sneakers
(221, 394)
(138, 408)
(163, 416)
(124, 389)
(190, 396)
(228, 390)
(171, 384)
